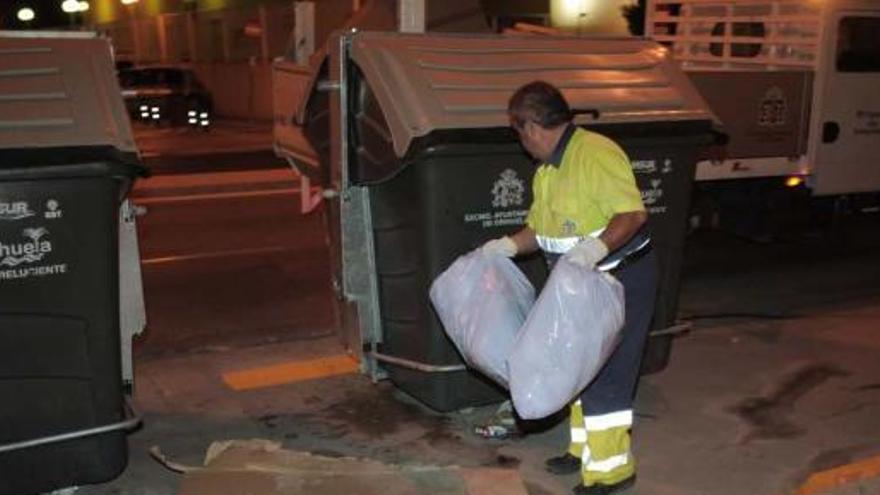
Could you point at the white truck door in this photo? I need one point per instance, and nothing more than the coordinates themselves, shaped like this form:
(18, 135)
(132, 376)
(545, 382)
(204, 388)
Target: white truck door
(845, 136)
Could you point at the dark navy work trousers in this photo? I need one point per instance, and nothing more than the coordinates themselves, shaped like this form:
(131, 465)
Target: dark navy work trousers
(614, 387)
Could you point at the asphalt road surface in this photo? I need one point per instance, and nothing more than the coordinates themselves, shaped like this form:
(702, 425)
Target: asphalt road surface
(228, 258)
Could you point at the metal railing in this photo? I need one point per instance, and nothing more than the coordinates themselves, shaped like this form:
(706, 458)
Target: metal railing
(132, 419)
(731, 34)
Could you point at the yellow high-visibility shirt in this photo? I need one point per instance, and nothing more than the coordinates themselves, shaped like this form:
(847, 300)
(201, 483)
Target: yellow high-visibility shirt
(593, 182)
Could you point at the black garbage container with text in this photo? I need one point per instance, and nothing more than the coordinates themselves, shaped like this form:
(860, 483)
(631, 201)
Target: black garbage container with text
(59, 316)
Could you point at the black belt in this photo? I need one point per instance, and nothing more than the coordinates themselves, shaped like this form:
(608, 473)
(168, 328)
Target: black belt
(632, 257)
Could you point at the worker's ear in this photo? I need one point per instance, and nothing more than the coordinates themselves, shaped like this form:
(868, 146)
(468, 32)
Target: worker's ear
(531, 129)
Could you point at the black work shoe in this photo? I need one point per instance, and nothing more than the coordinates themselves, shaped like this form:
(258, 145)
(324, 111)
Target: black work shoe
(600, 489)
(563, 464)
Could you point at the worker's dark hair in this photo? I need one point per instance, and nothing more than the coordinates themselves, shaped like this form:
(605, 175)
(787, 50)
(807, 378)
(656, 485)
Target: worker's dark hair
(539, 102)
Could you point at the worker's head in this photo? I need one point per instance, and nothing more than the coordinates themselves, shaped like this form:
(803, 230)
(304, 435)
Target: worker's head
(538, 112)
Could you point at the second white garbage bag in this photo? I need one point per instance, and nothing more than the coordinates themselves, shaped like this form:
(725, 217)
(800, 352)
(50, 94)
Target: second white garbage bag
(482, 301)
(569, 334)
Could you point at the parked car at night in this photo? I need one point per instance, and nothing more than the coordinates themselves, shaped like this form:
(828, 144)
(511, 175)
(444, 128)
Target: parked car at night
(166, 95)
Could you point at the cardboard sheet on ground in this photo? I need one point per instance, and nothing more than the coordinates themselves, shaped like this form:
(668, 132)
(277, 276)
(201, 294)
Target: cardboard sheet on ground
(262, 467)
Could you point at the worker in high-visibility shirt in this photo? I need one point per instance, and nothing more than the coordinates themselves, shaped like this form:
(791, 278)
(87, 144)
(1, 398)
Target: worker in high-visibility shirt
(588, 209)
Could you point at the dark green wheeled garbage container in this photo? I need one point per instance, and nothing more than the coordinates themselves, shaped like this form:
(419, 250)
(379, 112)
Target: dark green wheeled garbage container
(430, 169)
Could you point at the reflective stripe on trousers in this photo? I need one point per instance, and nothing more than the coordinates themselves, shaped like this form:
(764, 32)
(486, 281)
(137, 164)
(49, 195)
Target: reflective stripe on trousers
(602, 443)
(578, 430)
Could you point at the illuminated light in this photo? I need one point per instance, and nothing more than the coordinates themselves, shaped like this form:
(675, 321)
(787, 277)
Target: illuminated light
(155, 116)
(570, 13)
(204, 123)
(26, 14)
(70, 6)
(193, 121)
(191, 113)
(589, 16)
(83, 6)
(204, 115)
(794, 181)
(145, 115)
(129, 2)
(253, 29)
(659, 51)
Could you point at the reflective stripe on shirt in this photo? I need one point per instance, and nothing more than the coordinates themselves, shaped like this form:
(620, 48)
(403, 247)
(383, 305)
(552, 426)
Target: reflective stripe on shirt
(557, 245)
(561, 245)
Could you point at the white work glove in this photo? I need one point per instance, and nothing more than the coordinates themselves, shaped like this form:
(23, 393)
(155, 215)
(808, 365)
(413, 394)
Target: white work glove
(587, 253)
(503, 246)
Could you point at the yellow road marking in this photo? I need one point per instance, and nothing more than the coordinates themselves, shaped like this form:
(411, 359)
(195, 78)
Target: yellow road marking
(291, 372)
(843, 475)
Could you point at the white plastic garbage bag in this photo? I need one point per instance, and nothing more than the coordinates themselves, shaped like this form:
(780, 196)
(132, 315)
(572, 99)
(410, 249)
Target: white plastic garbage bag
(482, 301)
(567, 337)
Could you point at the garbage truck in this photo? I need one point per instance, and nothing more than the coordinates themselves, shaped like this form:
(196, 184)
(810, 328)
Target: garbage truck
(70, 281)
(795, 84)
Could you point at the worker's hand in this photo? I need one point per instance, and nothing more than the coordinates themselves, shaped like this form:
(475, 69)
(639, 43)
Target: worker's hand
(503, 246)
(587, 253)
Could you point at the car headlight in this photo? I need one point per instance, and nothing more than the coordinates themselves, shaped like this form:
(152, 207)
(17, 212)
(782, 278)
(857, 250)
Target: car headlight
(200, 118)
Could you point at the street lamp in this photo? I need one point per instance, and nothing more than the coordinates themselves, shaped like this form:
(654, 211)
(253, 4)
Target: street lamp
(74, 6)
(26, 14)
(70, 6)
